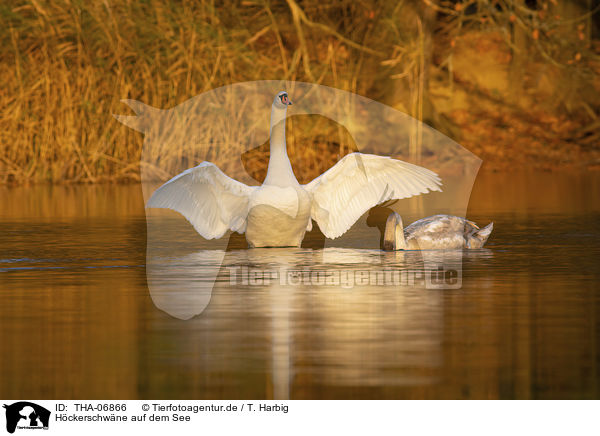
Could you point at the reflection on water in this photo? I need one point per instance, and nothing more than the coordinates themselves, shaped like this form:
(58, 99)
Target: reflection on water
(78, 320)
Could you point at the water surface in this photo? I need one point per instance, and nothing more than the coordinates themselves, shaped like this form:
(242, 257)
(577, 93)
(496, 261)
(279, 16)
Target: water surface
(78, 320)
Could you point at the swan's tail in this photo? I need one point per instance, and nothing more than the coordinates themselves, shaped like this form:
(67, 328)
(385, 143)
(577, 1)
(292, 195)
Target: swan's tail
(480, 237)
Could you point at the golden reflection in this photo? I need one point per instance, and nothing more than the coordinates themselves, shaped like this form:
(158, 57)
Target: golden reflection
(80, 319)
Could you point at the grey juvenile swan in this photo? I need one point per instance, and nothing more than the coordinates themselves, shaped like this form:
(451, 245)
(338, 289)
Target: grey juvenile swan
(279, 212)
(437, 232)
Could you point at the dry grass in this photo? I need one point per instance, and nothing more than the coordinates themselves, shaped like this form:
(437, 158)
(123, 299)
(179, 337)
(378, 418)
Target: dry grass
(66, 64)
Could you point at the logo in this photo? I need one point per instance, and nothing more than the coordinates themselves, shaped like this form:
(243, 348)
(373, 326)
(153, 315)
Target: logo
(210, 154)
(26, 415)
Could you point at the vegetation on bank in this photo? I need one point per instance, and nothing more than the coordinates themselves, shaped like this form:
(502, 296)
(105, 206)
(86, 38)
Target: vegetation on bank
(515, 81)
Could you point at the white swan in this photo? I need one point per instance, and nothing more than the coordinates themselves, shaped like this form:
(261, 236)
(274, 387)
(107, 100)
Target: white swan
(279, 212)
(437, 232)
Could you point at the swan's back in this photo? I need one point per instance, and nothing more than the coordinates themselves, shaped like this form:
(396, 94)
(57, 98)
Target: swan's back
(439, 232)
(441, 224)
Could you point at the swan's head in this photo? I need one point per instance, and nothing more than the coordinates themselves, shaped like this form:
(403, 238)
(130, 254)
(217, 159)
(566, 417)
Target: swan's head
(393, 237)
(282, 100)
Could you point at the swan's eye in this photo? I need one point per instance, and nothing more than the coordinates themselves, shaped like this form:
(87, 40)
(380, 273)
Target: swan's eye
(284, 99)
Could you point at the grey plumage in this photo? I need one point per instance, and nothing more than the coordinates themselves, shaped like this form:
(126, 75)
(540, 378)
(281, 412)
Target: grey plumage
(437, 232)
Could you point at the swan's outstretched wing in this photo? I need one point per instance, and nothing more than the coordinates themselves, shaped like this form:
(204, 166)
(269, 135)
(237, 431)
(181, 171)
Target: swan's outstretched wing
(210, 200)
(360, 181)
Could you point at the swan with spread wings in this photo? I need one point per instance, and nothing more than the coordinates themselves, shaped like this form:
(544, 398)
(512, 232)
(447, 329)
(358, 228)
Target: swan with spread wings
(280, 211)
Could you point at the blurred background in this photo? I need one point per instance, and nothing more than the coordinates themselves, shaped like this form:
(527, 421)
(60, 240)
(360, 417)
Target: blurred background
(514, 81)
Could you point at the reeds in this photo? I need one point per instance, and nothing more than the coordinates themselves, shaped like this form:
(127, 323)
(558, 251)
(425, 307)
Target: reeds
(66, 64)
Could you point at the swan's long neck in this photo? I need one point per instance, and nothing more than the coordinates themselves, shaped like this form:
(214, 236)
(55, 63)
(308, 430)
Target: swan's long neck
(393, 238)
(279, 172)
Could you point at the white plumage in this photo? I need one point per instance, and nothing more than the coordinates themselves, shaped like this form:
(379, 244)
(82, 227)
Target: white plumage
(210, 200)
(279, 212)
(358, 182)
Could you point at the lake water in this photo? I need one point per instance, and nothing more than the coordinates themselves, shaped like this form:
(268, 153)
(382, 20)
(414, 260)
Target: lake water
(81, 319)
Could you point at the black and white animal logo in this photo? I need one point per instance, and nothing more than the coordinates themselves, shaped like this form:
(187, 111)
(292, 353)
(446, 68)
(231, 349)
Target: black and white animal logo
(26, 415)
